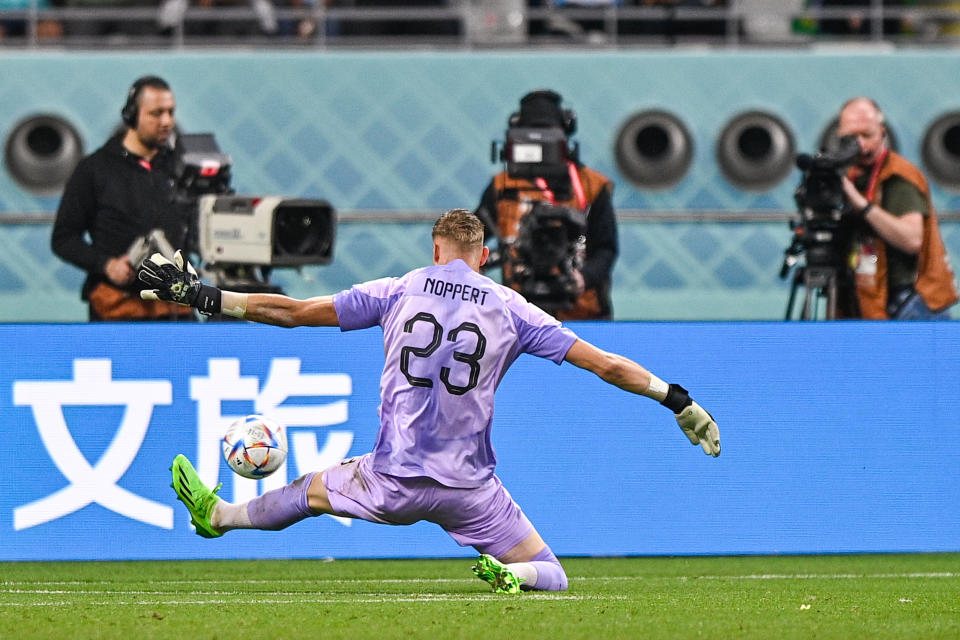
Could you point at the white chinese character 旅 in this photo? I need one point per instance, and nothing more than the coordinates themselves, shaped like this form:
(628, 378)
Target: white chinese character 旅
(284, 381)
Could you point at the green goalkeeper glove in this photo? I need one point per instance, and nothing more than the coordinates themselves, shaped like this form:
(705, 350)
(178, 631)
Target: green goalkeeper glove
(178, 282)
(695, 422)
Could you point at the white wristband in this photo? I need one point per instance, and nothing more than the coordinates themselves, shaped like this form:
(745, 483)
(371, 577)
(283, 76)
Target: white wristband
(657, 389)
(233, 304)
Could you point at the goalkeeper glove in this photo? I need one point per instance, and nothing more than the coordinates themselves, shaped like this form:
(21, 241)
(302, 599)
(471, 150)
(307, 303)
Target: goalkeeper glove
(695, 422)
(178, 282)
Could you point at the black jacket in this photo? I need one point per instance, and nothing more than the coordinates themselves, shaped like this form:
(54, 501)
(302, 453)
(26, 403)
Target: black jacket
(114, 198)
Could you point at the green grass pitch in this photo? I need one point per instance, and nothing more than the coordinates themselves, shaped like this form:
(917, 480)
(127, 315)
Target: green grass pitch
(843, 596)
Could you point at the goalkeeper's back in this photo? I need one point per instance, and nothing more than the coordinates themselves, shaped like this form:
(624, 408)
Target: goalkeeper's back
(449, 335)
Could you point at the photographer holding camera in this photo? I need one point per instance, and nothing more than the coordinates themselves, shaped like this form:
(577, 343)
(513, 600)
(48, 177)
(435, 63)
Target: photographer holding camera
(548, 207)
(900, 267)
(119, 196)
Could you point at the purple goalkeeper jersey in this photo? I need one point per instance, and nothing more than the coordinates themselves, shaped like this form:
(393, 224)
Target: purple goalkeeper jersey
(449, 336)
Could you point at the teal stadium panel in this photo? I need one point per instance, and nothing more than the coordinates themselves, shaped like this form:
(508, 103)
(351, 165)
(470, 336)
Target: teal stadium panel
(410, 132)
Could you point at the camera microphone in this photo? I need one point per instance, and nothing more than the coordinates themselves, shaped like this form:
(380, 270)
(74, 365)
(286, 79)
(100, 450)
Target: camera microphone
(804, 161)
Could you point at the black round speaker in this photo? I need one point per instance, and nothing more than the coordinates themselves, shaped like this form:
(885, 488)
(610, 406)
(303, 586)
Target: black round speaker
(940, 150)
(755, 150)
(653, 149)
(41, 153)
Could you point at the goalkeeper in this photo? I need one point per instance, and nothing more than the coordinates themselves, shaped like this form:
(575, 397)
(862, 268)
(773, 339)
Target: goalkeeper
(449, 336)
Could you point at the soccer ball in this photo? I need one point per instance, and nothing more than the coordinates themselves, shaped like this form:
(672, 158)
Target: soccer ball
(255, 446)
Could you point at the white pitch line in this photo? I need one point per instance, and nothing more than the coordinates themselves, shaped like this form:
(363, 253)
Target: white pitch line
(214, 583)
(290, 594)
(247, 581)
(293, 598)
(311, 600)
(828, 576)
(777, 576)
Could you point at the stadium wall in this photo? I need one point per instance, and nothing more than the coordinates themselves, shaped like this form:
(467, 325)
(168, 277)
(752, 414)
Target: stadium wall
(828, 446)
(411, 132)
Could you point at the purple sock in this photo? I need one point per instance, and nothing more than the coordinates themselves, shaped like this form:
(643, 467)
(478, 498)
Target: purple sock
(280, 508)
(550, 575)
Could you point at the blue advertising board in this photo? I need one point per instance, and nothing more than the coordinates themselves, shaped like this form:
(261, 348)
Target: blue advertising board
(837, 437)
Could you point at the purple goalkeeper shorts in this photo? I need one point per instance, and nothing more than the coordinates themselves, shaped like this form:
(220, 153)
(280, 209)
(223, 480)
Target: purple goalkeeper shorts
(485, 517)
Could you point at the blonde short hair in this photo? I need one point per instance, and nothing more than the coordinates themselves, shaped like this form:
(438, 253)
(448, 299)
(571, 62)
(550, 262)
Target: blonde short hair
(460, 226)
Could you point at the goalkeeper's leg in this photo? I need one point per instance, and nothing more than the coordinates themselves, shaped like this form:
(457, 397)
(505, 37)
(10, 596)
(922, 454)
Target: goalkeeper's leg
(212, 516)
(491, 522)
(275, 510)
(548, 572)
(541, 571)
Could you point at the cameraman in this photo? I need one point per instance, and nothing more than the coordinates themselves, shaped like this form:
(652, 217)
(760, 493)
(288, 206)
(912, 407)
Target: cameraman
(120, 193)
(507, 199)
(900, 266)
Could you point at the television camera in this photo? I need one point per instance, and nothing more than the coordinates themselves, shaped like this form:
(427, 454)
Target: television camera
(535, 152)
(240, 238)
(548, 250)
(541, 260)
(821, 231)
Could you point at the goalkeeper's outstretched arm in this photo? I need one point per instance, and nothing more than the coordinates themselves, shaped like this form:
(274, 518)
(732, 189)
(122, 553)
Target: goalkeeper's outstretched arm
(695, 422)
(280, 310)
(177, 281)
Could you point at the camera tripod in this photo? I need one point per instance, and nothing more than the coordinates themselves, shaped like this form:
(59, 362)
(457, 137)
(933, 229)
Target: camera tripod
(818, 282)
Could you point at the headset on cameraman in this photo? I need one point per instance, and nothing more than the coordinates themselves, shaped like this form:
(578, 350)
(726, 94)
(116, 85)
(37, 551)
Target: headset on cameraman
(130, 112)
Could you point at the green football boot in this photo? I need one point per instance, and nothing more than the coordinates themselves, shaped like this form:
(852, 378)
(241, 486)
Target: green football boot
(195, 496)
(496, 574)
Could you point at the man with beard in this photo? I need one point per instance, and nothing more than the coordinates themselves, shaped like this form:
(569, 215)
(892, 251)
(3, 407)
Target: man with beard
(123, 192)
(901, 270)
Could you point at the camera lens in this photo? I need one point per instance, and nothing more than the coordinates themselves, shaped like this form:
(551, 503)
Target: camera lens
(302, 230)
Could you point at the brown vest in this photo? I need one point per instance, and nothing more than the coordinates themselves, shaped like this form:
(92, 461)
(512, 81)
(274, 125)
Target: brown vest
(935, 280)
(510, 210)
(111, 303)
